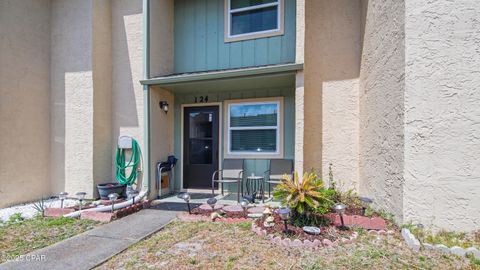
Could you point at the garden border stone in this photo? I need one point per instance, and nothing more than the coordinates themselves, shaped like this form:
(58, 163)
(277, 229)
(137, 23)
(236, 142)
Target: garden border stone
(297, 243)
(414, 244)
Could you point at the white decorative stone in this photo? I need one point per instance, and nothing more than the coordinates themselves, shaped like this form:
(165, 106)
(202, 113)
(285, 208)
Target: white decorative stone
(254, 215)
(442, 248)
(311, 230)
(390, 232)
(382, 232)
(410, 239)
(457, 251)
(428, 246)
(475, 252)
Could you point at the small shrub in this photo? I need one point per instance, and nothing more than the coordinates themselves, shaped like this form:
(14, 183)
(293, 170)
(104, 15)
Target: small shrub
(15, 218)
(302, 196)
(40, 207)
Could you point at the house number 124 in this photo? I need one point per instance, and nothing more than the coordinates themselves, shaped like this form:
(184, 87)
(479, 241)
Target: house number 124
(201, 99)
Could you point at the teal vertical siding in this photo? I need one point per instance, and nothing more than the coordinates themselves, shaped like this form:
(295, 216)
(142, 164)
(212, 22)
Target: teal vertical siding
(199, 39)
(256, 166)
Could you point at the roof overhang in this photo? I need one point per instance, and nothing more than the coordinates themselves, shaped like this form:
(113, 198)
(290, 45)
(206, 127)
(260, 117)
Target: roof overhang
(284, 74)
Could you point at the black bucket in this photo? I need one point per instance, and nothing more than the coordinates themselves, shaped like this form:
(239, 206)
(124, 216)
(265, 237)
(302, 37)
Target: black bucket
(107, 188)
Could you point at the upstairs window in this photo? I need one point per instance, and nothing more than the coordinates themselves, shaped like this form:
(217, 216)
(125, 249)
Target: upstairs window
(254, 128)
(249, 19)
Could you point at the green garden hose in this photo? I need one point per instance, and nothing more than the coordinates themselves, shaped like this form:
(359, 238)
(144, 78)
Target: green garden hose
(133, 163)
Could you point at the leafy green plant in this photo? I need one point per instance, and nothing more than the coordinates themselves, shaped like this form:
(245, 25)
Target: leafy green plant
(303, 196)
(15, 218)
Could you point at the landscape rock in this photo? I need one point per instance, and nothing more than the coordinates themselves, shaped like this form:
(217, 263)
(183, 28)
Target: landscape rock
(442, 248)
(410, 239)
(327, 242)
(428, 246)
(308, 243)
(254, 215)
(457, 251)
(286, 242)
(475, 252)
(296, 243)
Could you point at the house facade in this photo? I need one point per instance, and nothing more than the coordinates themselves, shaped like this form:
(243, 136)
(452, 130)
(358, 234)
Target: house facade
(385, 93)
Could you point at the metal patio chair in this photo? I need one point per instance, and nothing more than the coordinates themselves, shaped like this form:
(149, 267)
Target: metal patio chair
(231, 172)
(277, 169)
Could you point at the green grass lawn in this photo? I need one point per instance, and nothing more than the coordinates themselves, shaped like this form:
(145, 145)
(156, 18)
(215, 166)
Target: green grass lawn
(206, 245)
(18, 236)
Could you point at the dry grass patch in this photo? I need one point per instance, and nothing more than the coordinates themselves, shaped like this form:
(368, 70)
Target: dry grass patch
(18, 236)
(205, 245)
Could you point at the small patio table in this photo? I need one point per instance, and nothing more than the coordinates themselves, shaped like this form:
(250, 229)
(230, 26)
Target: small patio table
(255, 184)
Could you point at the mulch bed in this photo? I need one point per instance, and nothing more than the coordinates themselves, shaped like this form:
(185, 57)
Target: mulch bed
(327, 232)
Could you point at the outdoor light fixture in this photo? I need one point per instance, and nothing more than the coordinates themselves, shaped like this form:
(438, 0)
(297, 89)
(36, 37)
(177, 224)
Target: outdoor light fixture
(365, 203)
(284, 214)
(340, 209)
(212, 202)
(62, 196)
(163, 106)
(113, 197)
(244, 205)
(186, 198)
(81, 196)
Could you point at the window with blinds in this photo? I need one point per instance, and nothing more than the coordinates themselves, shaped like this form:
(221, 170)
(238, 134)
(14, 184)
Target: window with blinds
(254, 128)
(248, 19)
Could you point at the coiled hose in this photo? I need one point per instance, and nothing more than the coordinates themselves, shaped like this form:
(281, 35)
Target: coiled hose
(133, 163)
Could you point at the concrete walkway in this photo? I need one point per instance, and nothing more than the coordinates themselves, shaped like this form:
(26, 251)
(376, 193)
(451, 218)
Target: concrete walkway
(93, 247)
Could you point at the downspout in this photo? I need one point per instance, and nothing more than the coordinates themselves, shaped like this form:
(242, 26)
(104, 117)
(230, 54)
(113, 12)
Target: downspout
(146, 111)
(146, 94)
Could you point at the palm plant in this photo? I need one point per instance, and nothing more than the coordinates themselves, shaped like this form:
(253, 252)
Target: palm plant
(303, 196)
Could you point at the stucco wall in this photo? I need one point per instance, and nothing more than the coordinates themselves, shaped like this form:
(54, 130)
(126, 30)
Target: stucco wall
(442, 114)
(332, 60)
(381, 104)
(127, 70)
(161, 126)
(102, 96)
(24, 100)
(161, 37)
(81, 95)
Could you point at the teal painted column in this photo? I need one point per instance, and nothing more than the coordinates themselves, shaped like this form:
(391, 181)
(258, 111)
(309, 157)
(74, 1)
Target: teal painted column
(146, 94)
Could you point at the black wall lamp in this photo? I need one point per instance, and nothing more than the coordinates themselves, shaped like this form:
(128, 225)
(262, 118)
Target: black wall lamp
(163, 106)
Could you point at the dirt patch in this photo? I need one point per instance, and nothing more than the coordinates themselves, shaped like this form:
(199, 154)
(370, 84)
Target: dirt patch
(327, 232)
(234, 246)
